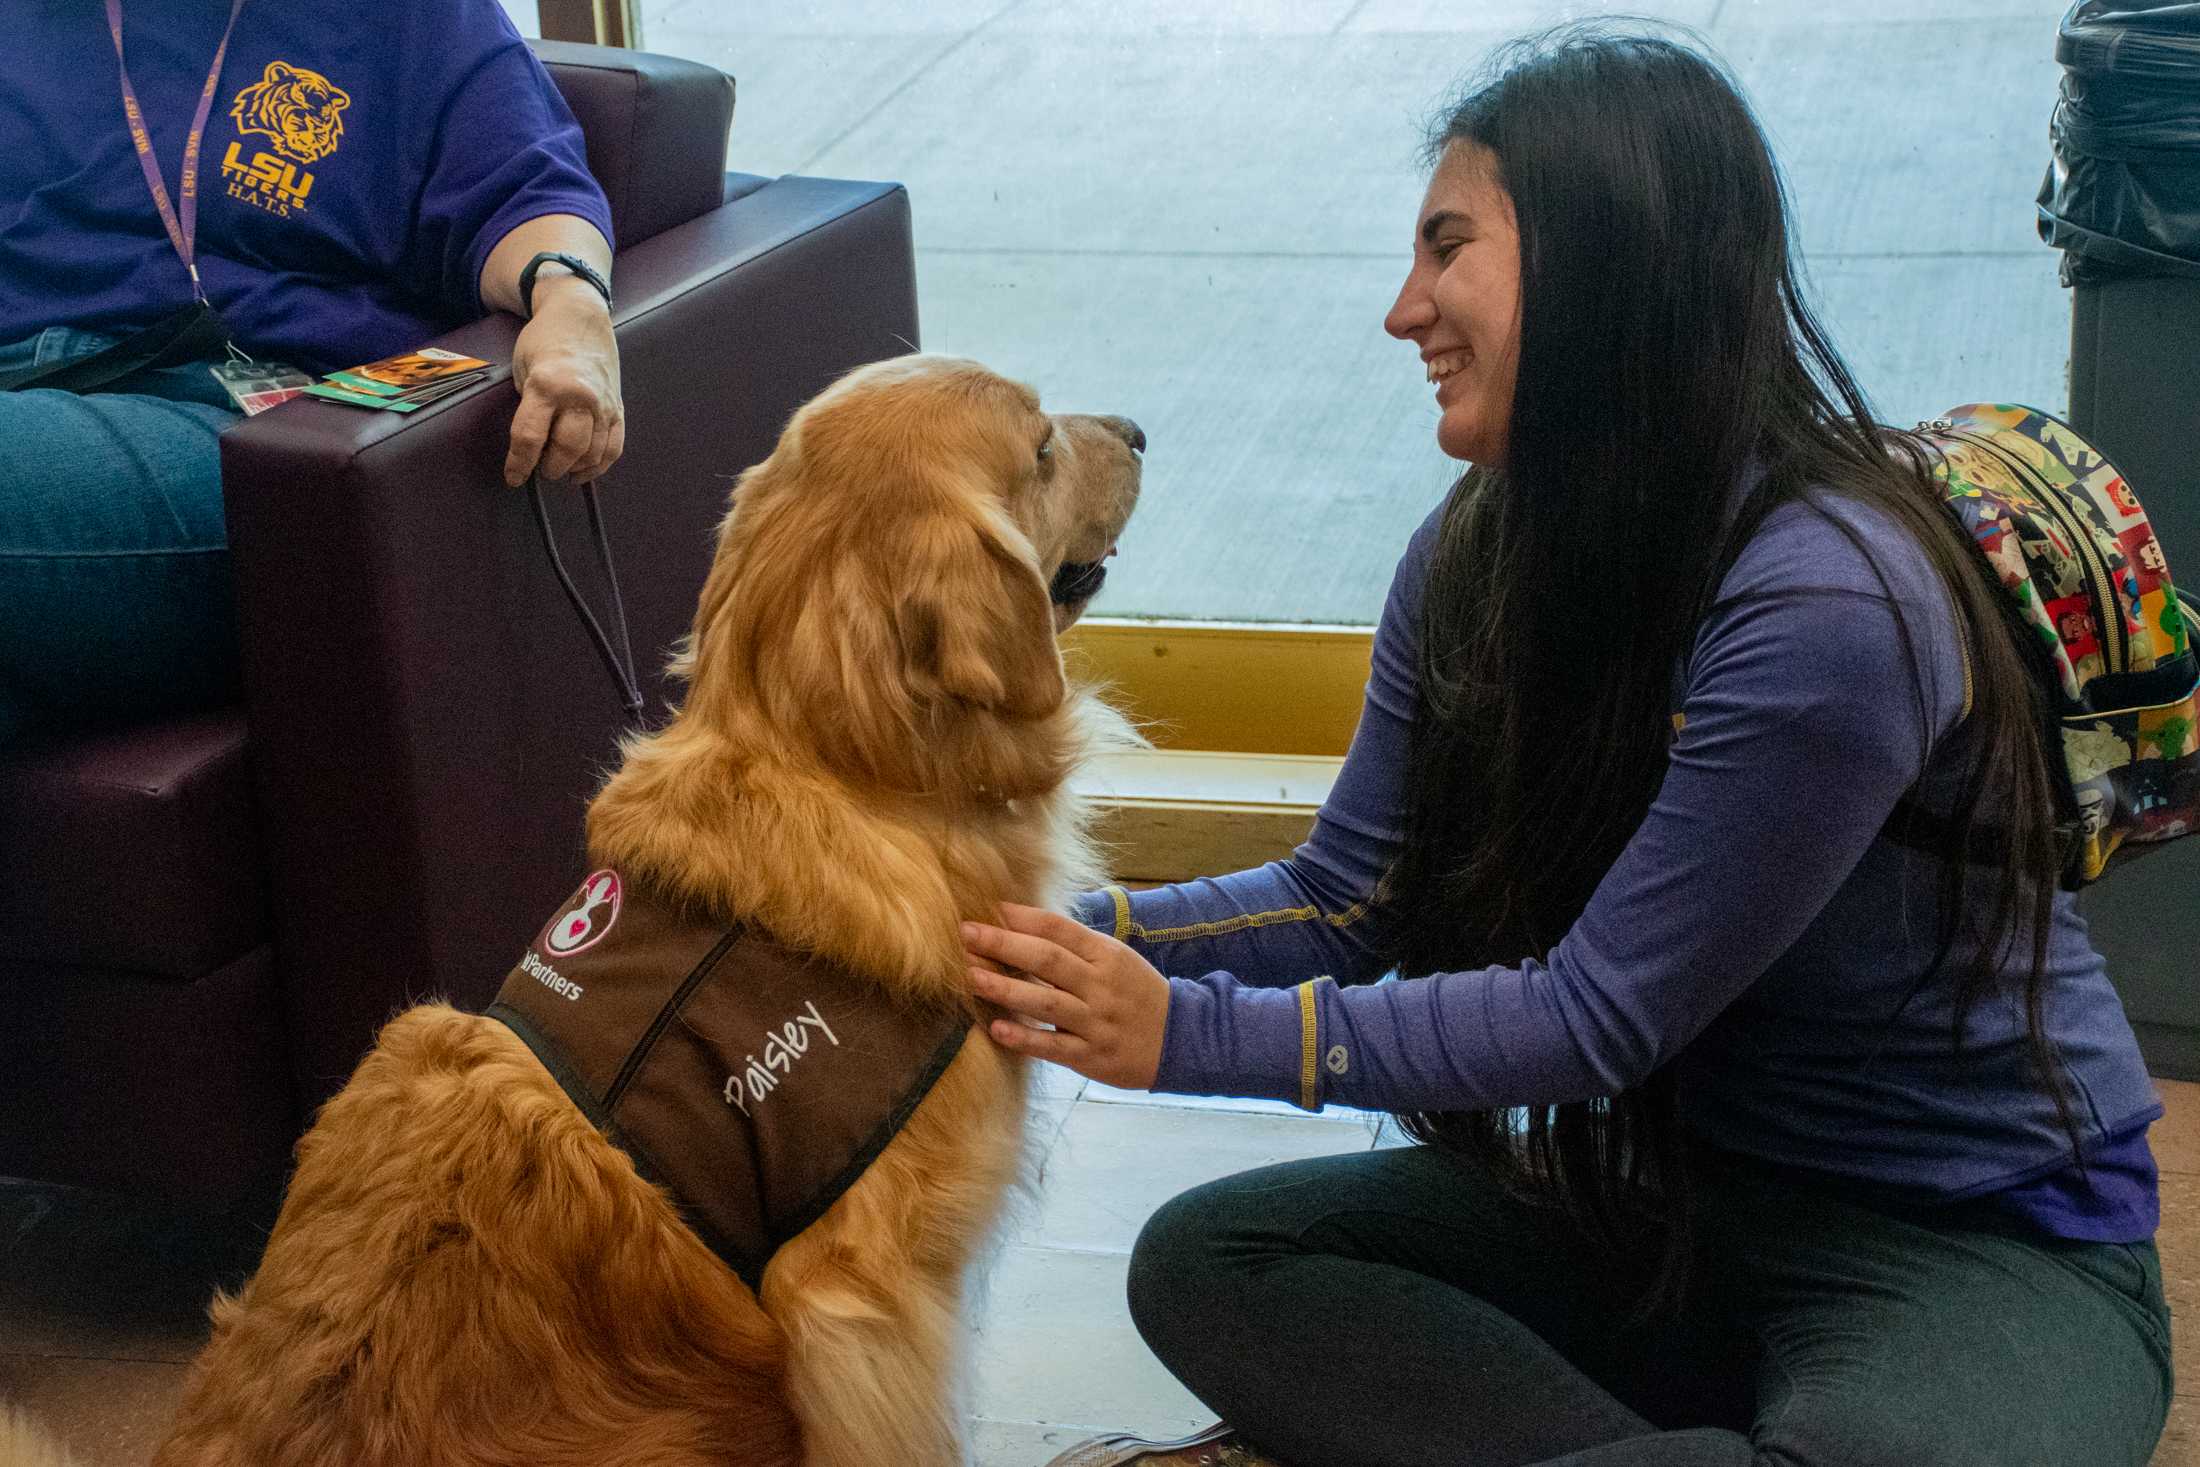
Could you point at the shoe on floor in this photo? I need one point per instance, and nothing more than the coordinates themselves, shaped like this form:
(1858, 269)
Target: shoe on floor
(1217, 1446)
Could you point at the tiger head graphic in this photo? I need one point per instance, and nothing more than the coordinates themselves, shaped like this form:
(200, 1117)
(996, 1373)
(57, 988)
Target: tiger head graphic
(303, 111)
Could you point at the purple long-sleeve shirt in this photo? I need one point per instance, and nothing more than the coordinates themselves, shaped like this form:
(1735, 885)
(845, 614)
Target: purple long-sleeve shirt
(1757, 932)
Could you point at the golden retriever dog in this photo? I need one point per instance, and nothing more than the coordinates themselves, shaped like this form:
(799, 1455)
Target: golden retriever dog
(874, 744)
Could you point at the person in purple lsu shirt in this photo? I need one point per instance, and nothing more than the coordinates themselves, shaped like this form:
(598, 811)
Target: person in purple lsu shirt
(364, 178)
(1753, 1134)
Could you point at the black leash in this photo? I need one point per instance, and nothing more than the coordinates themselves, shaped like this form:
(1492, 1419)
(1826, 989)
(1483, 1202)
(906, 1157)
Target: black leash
(620, 668)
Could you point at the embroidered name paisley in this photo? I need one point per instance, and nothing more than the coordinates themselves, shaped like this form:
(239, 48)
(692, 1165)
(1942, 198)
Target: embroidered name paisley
(787, 1044)
(302, 113)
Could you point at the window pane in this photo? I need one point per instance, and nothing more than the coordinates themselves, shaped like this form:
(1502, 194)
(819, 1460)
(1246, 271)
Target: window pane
(1195, 212)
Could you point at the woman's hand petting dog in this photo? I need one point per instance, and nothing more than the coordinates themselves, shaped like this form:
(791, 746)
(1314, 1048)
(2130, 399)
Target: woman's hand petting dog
(1107, 1004)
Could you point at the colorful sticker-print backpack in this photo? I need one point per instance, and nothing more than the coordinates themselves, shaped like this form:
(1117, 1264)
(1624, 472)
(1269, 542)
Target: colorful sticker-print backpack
(2111, 638)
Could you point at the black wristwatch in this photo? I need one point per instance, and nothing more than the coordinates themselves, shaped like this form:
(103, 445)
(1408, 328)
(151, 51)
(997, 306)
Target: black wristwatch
(573, 263)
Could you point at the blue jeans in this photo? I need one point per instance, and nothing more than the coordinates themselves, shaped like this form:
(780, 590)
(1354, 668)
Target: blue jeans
(114, 559)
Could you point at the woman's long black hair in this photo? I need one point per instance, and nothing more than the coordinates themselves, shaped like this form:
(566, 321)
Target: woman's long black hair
(1665, 350)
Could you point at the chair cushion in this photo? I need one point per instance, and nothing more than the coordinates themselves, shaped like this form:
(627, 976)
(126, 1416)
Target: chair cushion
(135, 849)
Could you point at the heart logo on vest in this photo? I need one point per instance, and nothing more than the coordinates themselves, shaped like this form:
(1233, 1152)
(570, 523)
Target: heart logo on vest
(586, 918)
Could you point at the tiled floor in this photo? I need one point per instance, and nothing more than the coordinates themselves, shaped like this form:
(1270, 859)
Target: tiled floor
(100, 1302)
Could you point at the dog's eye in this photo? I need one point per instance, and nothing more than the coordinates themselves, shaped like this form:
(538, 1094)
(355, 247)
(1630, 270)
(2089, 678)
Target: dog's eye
(1046, 448)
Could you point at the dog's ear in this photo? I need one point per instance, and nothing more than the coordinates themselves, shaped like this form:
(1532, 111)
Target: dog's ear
(972, 616)
(904, 640)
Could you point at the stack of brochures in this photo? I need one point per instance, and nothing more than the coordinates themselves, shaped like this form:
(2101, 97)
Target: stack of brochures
(401, 384)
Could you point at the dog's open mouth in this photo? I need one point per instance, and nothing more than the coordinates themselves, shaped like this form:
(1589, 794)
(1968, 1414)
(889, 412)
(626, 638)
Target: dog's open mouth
(1077, 581)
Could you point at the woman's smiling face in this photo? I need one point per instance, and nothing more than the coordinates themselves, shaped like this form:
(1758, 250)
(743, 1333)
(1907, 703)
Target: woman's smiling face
(1460, 303)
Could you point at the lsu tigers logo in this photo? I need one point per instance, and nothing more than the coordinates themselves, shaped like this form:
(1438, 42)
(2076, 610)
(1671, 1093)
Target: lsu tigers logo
(303, 111)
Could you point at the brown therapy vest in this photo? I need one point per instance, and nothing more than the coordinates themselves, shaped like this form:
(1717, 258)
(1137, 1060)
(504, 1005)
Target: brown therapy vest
(752, 1082)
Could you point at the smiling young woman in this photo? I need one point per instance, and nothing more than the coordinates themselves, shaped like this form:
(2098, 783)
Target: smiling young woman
(1752, 1136)
(1460, 304)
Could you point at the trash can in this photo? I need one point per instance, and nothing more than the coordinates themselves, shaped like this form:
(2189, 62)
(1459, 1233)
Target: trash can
(2122, 202)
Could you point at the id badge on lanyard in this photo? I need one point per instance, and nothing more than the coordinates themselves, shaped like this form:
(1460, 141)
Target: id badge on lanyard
(181, 225)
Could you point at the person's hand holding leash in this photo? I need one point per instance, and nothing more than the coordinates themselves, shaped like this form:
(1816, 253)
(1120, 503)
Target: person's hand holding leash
(571, 423)
(1107, 1005)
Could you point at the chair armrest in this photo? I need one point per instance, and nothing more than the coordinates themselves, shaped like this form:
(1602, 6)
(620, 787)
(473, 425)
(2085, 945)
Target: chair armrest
(427, 717)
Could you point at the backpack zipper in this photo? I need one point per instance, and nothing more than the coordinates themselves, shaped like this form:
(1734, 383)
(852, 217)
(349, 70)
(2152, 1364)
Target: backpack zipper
(2108, 611)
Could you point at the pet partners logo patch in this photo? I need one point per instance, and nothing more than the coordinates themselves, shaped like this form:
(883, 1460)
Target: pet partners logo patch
(302, 113)
(586, 918)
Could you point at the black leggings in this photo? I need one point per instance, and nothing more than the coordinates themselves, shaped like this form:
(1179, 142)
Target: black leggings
(1395, 1309)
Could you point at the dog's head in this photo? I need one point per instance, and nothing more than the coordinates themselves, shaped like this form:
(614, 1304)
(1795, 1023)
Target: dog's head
(890, 583)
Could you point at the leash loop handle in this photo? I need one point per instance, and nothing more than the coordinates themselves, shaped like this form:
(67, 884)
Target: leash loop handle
(619, 663)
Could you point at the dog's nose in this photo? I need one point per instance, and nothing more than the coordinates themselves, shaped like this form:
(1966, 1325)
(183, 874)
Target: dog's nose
(1128, 431)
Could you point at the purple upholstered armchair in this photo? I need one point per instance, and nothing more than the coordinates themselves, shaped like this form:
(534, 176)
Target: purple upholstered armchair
(207, 917)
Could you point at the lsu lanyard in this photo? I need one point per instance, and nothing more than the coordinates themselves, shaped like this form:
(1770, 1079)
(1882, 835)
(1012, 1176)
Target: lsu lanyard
(181, 233)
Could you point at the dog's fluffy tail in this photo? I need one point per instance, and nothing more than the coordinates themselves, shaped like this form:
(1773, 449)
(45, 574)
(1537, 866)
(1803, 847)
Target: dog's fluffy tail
(23, 1444)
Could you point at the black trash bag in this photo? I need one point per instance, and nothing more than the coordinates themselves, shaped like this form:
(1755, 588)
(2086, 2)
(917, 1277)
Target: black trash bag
(2122, 196)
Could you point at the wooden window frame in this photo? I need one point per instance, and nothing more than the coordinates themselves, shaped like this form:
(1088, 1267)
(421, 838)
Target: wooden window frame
(593, 22)
(1250, 722)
